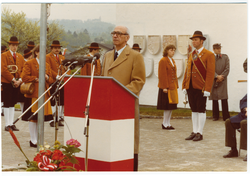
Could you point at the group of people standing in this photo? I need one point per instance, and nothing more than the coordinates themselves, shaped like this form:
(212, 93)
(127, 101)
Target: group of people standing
(205, 77)
(27, 71)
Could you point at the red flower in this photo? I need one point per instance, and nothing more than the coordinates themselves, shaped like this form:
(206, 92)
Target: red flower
(38, 158)
(48, 153)
(57, 155)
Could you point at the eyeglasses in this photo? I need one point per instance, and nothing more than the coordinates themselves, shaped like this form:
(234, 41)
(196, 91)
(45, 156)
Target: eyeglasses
(118, 33)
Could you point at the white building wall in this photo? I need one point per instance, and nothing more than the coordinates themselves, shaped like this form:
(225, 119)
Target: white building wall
(223, 23)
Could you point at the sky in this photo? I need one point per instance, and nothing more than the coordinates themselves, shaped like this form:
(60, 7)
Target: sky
(80, 9)
(67, 11)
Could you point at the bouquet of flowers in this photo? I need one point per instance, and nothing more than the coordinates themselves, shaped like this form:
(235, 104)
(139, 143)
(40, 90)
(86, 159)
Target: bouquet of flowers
(56, 158)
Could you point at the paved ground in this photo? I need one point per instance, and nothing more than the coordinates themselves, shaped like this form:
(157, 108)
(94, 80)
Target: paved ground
(160, 150)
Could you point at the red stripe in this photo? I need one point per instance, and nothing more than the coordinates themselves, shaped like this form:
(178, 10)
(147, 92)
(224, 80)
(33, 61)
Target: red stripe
(200, 68)
(96, 165)
(109, 101)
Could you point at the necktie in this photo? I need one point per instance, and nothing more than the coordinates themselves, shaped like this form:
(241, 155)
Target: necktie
(14, 56)
(57, 58)
(115, 57)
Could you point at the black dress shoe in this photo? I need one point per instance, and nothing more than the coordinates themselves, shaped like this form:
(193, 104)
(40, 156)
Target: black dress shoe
(52, 124)
(245, 159)
(231, 153)
(192, 135)
(2, 114)
(171, 128)
(33, 145)
(7, 128)
(61, 118)
(163, 127)
(60, 123)
(198, 137)
(14, 128)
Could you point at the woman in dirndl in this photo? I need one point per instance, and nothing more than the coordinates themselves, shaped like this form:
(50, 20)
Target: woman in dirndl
(31, 74)
(168, 84)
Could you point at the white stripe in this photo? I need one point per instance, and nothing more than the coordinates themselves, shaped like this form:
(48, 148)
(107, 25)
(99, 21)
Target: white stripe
(108, 140)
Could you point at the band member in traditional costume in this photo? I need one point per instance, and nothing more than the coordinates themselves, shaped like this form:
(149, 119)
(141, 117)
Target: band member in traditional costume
(87, 69)
(126, 66)
(11, 81)
(54, 59)
(3, 49)
(168, 84)
(31, 74)
(198, 82)
(31, 45)
(20, 97)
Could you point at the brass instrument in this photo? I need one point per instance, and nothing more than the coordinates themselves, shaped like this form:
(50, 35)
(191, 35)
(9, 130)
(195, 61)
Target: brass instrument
(12, 68)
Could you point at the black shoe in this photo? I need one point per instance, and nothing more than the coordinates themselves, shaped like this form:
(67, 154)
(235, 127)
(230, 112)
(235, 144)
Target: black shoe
(215, 119)
(192, 135)
(2, 114)
(60, 123)
(52, 124)
(231, 153)
(171, 128)
(61, 118)
(245, 159)
(33, 145)
(14, 128)
(163, 127)
(198, 137)
(7, 128)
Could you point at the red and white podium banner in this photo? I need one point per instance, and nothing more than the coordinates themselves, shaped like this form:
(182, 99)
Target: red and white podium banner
(111, 123)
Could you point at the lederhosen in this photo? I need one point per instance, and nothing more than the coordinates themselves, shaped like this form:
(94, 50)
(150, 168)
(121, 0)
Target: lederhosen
(197, 101)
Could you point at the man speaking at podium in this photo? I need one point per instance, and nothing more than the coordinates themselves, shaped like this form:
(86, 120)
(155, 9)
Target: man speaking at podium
(126, 66)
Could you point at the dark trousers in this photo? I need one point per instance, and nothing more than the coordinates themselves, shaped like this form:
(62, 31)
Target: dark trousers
(224, 106)
(60, 98)
(9, 95)
(230, 136)
(197, 101)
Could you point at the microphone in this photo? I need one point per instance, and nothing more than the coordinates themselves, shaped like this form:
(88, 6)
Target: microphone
(68, 61)
(96, 56)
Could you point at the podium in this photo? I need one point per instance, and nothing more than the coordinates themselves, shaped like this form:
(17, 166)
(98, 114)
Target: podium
(111, 122)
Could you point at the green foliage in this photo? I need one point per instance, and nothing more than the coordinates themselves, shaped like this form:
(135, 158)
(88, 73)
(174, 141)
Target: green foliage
(181, 112)
(72, 34)
(15, 24)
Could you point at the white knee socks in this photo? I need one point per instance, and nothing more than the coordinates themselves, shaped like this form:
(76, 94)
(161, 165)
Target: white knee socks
(21, 106)
(202, 120)
(195, 121)
(6, 116)
(33, 132)
(166, 118)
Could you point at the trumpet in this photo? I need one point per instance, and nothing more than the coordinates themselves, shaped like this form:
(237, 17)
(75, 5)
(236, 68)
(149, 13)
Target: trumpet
(185, 101)
(12, 68)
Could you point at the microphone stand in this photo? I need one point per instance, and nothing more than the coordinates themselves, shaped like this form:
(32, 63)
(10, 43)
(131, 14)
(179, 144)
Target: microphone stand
(55, 92)
(43, 94)
(57, 100)
(86, 128)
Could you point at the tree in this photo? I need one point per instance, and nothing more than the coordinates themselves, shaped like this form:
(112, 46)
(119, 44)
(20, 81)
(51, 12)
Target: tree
(15, 24)
(55, 32)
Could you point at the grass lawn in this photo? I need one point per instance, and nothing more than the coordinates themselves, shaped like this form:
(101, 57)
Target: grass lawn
(182, 112)
(152, 111)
